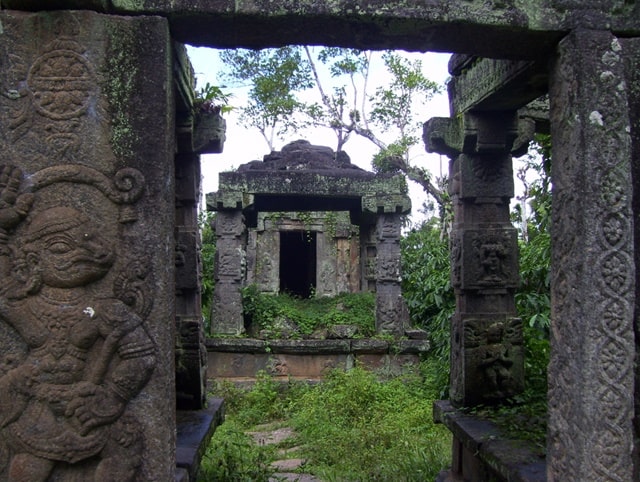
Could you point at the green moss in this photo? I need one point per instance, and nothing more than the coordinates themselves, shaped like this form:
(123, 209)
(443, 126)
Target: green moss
(121, 72)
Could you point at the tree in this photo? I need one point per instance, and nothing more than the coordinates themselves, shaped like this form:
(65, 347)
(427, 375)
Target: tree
(386, 117)
(275, 77)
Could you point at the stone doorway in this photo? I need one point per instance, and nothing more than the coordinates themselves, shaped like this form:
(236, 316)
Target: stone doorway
(298, 263)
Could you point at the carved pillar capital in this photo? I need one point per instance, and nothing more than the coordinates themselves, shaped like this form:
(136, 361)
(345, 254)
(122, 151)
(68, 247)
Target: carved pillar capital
(473, 133)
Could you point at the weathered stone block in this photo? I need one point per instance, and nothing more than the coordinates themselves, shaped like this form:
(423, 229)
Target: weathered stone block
(187, 264)
(226, 311)
(591, 370)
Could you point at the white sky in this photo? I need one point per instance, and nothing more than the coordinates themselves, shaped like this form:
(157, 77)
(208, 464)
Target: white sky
(242, 145)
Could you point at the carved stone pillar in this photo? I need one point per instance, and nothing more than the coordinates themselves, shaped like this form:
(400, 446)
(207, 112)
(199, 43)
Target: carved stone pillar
(591, 372)
(631, 50)
(191, 352)
(87, 327)
(226, 316)
(487, 362)
(391, 310)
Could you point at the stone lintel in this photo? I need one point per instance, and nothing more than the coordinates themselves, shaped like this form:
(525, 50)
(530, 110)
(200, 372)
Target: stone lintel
(520, 30)
(305, 181)
(378, 193)
(496, 85)
(523, 30)
(471, 133)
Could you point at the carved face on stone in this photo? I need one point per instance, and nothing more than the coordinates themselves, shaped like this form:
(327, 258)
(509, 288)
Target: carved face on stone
(65, 249)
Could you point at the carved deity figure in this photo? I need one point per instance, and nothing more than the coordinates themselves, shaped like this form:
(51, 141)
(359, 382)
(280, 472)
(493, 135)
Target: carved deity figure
(491, 260)
(87, 356)
(495, 361)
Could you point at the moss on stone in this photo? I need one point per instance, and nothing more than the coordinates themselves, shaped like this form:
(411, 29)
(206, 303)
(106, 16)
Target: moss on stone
(120, 89)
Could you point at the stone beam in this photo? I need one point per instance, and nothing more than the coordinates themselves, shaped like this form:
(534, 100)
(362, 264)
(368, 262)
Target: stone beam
(494, 85)
(521, 29)
(516, 29)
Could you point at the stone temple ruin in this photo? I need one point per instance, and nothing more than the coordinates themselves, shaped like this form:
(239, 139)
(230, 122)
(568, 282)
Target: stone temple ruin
(356, 247)
(101, 334)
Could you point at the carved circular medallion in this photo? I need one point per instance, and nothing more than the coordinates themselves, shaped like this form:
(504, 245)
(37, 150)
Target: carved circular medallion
(615, 272)
(62, 84)
(615, 228)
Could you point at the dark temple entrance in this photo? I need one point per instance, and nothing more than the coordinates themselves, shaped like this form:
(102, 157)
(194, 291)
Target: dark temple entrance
(298, 263)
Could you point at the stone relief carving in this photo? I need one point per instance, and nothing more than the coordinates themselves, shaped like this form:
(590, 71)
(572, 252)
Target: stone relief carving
(480, 177)
(491, 347)
(489, 259)
(64, 398)
(391, 314)
(59, 86)
(388, 268)
(614, 347)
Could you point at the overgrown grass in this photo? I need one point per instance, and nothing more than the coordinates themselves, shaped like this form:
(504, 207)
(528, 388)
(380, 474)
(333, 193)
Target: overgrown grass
(357, 427)
(351, 427)
(271, 312)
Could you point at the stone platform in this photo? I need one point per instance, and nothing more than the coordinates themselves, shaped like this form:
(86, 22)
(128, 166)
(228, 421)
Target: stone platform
(243, 358)
(194, 431)
(481, 453)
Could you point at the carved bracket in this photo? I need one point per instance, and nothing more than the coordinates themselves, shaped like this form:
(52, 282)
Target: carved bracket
(472, 133)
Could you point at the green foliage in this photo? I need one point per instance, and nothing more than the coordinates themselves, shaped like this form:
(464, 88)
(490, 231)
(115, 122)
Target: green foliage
(211, 98)
(275, 77)
(392, 105)
(426, 284)
(269, 311)
(391, 157)
(532, 299)
(207, 255)
(262, 403)
(356, 427)
(233, 456)
(351, 426)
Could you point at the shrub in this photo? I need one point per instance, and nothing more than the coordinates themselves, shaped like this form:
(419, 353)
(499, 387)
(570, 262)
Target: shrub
(269, 311)
(233, 456)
